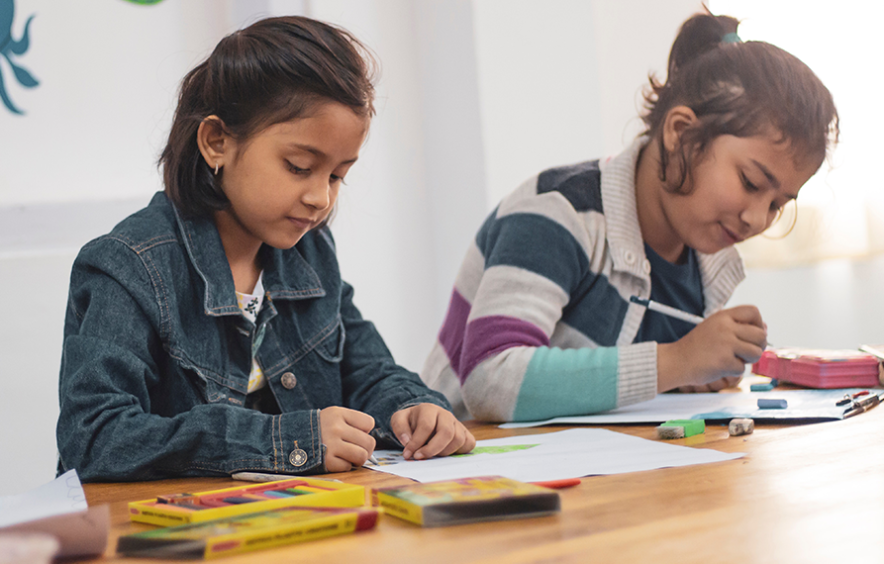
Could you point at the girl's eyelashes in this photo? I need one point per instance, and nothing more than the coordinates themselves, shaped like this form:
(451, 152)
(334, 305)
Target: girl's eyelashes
(748, 184)
(296, 169)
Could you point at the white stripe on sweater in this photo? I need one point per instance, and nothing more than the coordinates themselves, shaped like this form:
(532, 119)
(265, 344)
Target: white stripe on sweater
(491, 391)
(516, 292)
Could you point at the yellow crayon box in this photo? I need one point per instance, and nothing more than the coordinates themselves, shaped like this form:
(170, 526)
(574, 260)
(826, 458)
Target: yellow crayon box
(245, 533)
(468, 500)
(183, 508)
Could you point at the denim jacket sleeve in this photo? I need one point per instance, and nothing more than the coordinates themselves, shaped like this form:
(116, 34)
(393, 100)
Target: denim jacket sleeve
(372, 381)
(128, 411)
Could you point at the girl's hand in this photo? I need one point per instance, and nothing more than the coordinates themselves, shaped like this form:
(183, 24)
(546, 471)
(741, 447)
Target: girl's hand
(717, 385)
(345, 434)
(414, 425)
(718, 348)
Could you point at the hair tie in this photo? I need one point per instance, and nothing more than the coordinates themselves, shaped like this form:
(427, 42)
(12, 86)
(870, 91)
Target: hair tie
(731, 38)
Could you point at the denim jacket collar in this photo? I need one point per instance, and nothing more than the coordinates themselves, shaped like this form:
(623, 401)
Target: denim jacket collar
(287, 275)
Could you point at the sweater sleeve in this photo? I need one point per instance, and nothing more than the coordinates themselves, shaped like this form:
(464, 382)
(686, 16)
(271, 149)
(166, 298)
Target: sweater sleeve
(531, 261)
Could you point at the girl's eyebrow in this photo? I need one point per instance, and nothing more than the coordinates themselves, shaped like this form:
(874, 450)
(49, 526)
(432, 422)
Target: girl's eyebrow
(770, 176)
(313, 150)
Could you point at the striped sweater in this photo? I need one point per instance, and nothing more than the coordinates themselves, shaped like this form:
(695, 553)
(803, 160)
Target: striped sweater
(540, 324)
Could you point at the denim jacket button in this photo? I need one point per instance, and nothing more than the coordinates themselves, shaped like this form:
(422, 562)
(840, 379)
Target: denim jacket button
(288, 382)
(298, 457)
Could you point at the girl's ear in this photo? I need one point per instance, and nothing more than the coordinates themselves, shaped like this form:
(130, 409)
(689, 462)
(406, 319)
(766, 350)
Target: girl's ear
(214, 142)
(678, 119)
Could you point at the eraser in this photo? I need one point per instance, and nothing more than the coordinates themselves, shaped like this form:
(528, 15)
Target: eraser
(771, 403)
(739, 427)
(691, 426)
(664, 432)
(761, 387)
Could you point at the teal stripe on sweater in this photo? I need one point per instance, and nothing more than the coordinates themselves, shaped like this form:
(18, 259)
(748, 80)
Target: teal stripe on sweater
(562, 382)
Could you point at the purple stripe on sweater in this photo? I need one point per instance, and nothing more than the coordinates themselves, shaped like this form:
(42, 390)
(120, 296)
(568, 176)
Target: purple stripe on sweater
(490, 335)
(451, 334)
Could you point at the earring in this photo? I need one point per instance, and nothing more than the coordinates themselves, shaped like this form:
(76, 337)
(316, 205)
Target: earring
(216, 169)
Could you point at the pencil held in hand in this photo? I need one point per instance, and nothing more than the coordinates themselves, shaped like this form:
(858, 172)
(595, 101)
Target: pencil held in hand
(667, 310)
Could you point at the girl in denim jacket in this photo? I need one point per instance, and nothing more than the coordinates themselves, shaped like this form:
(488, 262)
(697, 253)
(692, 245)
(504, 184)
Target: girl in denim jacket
(211, 332)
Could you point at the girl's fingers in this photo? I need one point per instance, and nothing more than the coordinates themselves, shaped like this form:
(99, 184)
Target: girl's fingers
(359, 439)
(401, 426)
(469, 442)
(457, 442)
(362, 421)
(747, 314)
(751, 334)
(424, 427)
(336, 464)
(351, 453)
(426, 431)
(443, 435)
(747, 353)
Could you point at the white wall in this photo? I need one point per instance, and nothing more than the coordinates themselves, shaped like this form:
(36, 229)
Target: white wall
(474, 96)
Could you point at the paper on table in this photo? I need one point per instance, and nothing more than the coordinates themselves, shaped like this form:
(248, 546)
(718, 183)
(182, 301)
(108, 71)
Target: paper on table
(803, 404)
(58, 508)
(573, 453)
(62, 495)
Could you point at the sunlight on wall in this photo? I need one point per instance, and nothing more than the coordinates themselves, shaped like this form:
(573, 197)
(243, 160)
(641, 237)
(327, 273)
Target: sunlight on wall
(841, 209)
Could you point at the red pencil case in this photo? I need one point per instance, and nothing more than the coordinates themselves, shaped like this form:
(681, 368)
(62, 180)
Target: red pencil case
(820, 368)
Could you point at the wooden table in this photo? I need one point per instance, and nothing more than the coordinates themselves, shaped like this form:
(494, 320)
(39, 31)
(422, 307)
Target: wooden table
(804, 493)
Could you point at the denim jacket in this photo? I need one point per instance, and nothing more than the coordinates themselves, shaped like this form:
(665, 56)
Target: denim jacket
(157, 356)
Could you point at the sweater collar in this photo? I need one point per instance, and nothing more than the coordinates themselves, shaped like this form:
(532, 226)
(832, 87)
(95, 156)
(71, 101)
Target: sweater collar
(720, 272)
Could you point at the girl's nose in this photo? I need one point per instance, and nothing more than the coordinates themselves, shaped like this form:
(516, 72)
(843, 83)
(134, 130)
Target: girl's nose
(757, 215)
(318, 194)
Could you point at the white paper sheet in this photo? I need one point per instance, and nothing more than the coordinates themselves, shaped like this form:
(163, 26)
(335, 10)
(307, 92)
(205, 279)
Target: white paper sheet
(62, 495)
(58, 508)
(573, 453)
(803, 404)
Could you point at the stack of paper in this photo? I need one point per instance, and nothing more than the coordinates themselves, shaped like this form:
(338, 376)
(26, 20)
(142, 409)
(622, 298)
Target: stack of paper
(58, 509)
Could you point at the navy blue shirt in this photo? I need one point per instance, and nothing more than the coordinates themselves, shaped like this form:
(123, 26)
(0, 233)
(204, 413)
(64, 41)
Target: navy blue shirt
(676, 285)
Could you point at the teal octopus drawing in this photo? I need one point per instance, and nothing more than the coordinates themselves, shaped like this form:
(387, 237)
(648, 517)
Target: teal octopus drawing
(11, 49)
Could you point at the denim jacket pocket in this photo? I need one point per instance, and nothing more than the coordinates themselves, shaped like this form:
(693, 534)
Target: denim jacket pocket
(219, 393)
(215, 389)
(332, 347)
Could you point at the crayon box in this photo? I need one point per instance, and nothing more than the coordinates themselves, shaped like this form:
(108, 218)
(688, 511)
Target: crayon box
(468, 500)
(183, 508)
(245, 533)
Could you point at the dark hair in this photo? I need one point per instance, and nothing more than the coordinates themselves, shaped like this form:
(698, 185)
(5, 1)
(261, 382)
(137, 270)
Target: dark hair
(740, 89)
(275, 70)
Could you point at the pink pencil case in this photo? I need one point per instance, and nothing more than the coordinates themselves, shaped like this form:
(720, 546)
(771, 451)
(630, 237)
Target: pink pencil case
(820, 368)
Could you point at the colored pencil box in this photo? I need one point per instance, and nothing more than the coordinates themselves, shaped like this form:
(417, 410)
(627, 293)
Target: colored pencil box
(245, 533)
(183, 508)
(820, 368)
(468, 500)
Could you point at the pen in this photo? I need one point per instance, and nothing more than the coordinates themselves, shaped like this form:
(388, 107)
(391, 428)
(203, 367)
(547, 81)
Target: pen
(862, 405)
(374, 460)
(667, 310)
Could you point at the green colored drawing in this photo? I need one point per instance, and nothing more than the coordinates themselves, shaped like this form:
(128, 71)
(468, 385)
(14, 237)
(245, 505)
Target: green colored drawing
(144, 2)
(494, 450)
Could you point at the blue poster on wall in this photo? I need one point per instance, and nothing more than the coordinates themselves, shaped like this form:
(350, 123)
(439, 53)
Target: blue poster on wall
(10, 49)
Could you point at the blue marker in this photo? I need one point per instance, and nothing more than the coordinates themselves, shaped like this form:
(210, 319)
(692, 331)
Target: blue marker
(770, 403)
